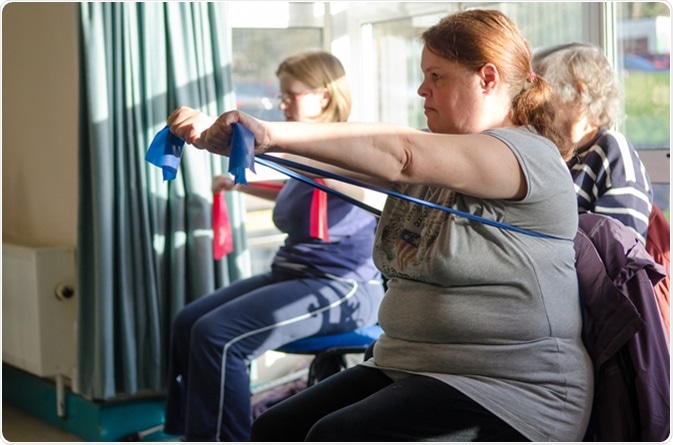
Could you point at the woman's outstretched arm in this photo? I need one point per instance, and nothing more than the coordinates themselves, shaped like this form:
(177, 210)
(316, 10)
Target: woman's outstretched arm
(474, 164)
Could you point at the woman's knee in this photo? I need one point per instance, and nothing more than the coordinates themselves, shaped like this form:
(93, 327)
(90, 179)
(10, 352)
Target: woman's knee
(339, 427)
(262, 426)
(206, 335)
(182, 323)
(274, 425)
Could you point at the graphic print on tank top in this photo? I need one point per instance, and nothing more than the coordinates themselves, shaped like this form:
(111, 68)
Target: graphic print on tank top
(412, 229)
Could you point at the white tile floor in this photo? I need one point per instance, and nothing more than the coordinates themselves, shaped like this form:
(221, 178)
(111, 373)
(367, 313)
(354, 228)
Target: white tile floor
(20, 426)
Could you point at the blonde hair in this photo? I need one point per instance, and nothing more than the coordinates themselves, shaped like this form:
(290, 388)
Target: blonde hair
(581, 74)
(473, 38)
(320, 69)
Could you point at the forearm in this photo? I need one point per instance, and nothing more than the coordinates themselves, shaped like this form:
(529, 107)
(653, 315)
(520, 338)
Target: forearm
(259, 190)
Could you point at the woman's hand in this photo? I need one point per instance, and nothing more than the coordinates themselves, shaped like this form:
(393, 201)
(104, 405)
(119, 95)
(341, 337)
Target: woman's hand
(190, 125)
(214, 134)
(222, 184)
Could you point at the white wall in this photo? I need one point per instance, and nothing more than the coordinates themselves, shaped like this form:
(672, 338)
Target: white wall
(40, 122)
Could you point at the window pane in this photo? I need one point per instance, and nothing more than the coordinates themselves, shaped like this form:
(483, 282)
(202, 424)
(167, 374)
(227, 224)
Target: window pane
(644, 51)
(644, 54)
(546, 23)
(398, 53)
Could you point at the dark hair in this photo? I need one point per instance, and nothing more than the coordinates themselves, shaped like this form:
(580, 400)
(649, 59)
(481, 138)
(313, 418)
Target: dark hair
(475, 37)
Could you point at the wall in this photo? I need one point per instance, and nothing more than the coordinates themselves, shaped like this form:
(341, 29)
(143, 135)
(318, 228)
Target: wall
(40, 78)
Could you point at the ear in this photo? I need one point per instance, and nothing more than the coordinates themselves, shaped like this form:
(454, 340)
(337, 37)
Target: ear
(324, 100)
(490, 77)
(580, 89)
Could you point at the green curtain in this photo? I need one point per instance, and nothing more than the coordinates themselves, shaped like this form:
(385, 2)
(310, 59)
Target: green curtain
(144, 244)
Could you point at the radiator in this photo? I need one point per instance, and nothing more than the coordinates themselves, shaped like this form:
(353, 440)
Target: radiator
(39, 309)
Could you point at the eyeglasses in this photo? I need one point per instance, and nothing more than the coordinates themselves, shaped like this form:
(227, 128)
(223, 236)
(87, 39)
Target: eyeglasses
(292, 97)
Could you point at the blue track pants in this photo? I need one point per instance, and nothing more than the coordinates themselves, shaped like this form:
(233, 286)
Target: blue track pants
(215, 337)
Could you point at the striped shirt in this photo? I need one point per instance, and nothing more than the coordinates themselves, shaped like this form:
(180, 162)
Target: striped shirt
(611, 180)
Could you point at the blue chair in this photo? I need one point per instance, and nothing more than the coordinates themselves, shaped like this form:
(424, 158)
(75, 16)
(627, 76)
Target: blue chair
(330, 351)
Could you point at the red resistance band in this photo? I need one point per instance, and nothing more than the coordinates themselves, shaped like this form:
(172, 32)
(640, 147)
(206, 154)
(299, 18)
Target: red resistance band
(222, 237)
(318, 226)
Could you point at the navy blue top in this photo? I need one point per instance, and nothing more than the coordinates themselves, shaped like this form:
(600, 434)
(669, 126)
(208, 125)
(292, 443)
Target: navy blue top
(351, 232)
(611, 180)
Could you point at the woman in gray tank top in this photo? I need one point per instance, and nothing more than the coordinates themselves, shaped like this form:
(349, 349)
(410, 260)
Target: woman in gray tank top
(482, 324)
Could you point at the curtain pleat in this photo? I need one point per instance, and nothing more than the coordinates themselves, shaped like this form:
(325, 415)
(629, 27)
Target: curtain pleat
(144, 244)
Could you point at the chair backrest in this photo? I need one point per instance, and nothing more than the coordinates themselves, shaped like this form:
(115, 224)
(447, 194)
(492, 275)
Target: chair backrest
(658, 244)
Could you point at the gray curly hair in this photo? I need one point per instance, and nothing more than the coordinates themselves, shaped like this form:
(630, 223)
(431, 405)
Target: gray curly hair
(581, 73)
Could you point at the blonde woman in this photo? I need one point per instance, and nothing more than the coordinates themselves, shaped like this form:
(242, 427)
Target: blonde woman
(322, 280)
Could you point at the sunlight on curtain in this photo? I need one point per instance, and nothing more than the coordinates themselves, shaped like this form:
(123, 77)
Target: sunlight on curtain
(145, 245)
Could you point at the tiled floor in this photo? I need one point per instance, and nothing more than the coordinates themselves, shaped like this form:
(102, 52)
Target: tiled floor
(19, 426)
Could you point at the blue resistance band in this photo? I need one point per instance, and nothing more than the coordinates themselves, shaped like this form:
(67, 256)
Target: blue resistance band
(166, 149)
(266, 161)
(165, 152)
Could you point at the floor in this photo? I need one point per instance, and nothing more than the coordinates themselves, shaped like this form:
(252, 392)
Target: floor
(19, 426)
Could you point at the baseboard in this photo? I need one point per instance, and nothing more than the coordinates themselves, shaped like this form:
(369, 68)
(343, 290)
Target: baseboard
(116, 421)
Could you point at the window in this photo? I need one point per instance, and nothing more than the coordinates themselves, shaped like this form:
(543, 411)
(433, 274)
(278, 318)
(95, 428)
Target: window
(643, 48)
(644, 61)
(379, 46)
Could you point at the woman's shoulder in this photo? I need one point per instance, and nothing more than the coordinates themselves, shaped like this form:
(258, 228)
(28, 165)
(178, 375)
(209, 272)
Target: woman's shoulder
(611, 145)
(521, 136)
(531, 148)
(615, 140)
